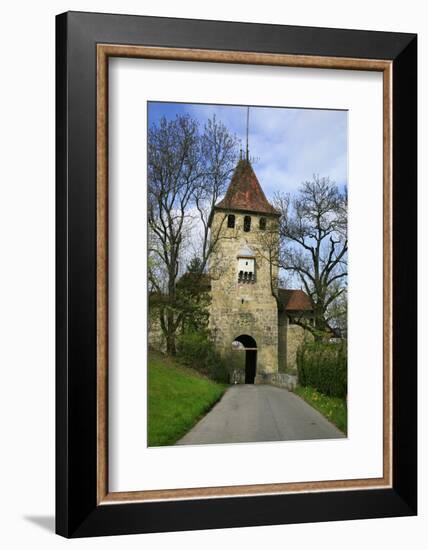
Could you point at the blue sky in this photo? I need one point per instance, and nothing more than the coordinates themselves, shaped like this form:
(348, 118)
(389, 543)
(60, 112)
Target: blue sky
(289, 145)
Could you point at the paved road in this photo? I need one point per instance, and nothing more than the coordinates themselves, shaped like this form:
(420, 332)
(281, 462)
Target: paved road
(260, 413)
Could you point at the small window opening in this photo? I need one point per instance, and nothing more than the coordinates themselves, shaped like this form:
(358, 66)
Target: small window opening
(247, 223)
(246, 277)
(262, 224)
(231, 221)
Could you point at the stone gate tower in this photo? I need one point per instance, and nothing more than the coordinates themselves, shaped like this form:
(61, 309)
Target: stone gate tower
(243, 307)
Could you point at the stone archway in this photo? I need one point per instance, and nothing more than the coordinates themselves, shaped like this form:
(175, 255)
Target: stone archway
(249, 344)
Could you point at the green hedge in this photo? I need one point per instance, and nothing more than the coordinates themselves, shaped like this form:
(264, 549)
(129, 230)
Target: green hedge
(195, 350)
(323, 366)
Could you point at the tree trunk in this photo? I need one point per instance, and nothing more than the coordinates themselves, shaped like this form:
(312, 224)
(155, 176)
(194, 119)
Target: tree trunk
(168, 329)
(170, 339)
(320, 324)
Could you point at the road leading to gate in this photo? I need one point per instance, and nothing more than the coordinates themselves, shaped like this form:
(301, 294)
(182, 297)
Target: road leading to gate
(260, 413)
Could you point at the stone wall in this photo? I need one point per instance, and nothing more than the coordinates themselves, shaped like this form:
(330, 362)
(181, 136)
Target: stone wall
(290, 337)
(243, 308)
(280, 379)
(156, 339)
(295, 337)
(282, 342)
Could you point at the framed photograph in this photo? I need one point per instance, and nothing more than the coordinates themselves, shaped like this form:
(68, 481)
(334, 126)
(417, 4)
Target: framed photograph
(236, 274)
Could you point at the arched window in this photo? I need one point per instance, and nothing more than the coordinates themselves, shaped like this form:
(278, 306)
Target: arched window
(262, 224)
(247, 223)
(231, 221)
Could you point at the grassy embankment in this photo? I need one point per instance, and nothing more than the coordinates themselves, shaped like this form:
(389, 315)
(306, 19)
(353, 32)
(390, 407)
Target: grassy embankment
(333, 408)
(177, 398)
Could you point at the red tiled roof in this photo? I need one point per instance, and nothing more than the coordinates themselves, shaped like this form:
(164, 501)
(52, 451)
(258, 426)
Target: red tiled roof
(294, 300)
(245, 193)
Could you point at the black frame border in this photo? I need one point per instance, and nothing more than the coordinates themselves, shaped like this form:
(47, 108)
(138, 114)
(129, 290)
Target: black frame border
(77, 513)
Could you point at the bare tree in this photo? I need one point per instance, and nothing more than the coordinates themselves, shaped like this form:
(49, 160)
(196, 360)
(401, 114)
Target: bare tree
(174, 170)
(313, 245)
(219, 153)
(187, 173)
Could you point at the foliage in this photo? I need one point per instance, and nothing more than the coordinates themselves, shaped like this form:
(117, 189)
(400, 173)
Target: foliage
(193, 298)
(323, 366)
(197, 351)
(333, 408)
(195, 265)
(177, 398)
(337, 314)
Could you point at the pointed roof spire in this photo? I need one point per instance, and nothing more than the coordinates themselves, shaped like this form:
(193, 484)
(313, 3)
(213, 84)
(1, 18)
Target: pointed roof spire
(245, 193)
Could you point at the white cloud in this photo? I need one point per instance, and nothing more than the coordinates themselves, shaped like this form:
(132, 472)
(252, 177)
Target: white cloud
(290, 145)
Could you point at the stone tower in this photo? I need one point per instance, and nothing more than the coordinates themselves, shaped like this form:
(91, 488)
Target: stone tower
(243, 307)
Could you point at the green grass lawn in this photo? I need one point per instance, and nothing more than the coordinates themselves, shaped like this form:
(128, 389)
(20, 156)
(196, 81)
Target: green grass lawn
(178, 398)
(333, 408)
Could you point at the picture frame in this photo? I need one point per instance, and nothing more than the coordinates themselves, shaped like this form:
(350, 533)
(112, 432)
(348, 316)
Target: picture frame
(84, 44)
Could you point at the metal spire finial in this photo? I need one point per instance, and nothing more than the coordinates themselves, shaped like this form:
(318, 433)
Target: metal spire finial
(248, 122)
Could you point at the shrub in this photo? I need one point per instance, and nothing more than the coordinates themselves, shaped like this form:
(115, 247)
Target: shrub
(218, 370)
(196, 350)
(192, 349)
(323, 366)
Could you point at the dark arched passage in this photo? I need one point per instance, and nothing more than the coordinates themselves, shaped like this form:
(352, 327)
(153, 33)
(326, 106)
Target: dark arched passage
(250, 346)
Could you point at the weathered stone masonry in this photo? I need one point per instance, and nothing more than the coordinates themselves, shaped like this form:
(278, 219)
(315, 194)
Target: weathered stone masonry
(240, 307)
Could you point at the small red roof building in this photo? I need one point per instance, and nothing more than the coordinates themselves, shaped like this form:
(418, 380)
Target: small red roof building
(294, 300)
